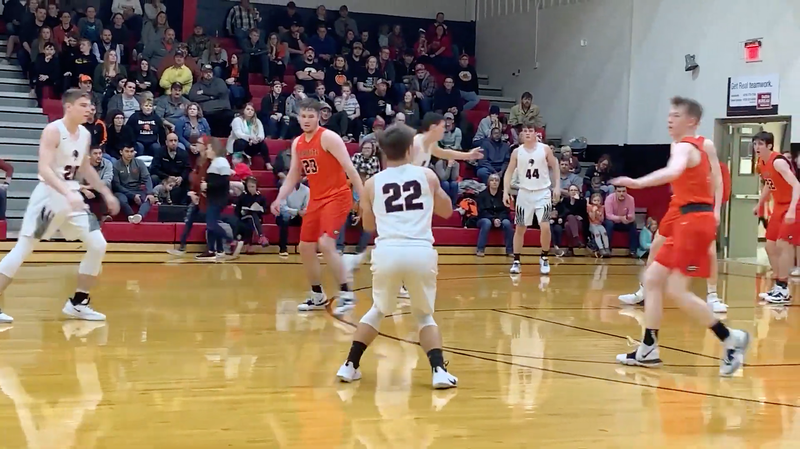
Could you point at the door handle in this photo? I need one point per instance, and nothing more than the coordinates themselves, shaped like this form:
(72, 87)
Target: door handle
(746, 197)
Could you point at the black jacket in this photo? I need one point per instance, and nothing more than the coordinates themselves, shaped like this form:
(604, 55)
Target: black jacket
(491, 207)
(50, 68)
(118, 140)
(248, 200)
(147, 129)
(164, 166)
(443, 100)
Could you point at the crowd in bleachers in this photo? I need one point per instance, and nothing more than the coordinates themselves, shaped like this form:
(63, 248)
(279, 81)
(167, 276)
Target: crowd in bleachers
(160, 102)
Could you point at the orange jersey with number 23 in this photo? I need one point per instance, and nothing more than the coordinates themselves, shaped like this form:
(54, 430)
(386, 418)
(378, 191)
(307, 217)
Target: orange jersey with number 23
(326, 177)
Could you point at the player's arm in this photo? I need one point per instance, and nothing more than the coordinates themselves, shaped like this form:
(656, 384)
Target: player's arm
(47, 154)
(365, 200)
(333, 144)
(782, 167)
(555, 174)
(453, 155)
(716, 175)
(678, 161)
(442, 204)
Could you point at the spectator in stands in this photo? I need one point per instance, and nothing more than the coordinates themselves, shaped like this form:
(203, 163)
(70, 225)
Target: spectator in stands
(148, 129)
(295, 44)
(646, 237)
(192, 128)
(250, 208)
(145, 79)
(177, 73)
(438, 22)
(14, 13)
(492, 213)
(335, 77)
(281, 167)
(69, 51)
(344, 23)
(46, 71)
(273, 112)
(131, 11)
(126, 101)
(572, 210)
(448, 99)
(421, 49)
(467, 83)
(347, 43)
(574, 164)
(198, 42)
(52, 20)
(486, 125)
(386, 68)
(197, 203)
(376, 104)
(254, 55)
(292, 111)
(405, 68)
(320, 18)
(213, 97)
(397, 42)
(276, 52)
(28, 33)
(367, 79)
(349, 104)
(217, 57)
(451, 139)
(309, 71)
(152, 8)
(410, 109)
(172, 161)
(158, 50)
(598, 176)
(496, 156)
(64, 29)
(356, 60)
(132, 185)
(568, 178)
(106, 173)
(367, 162)
(447, 171)
(37, 47)
(119, 31)
(424, 86)
(236, 78)
(85, 84)
(216, 186)
(119, 135)
(172, 108)
(526, 111)
(324, 45)
(440, 50)
(240, 20)
(154, 31)
(105, 45)
(399, 118)
(90, 26)
(383, 36)
(293, 208)
(620, 211)
(319, 94)
(596, 213)
(96, 128)
(370, 45)
(247, 135)
(79, 63)
(286, 18)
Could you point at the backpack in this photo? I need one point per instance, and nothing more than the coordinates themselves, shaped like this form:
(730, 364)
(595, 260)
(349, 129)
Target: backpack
(469, 216)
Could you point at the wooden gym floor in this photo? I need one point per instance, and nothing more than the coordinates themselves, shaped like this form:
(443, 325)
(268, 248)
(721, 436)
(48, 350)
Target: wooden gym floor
(215, 356)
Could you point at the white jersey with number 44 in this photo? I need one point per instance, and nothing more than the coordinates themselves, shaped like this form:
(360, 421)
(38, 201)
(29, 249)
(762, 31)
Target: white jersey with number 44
(403, 206)
(532, 167)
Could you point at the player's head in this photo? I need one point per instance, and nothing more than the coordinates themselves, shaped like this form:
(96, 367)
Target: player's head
(309, 114)
(433, 123)
(77, 105)
(684, 117)
(528, 132)
(763, 143)
(396, 142)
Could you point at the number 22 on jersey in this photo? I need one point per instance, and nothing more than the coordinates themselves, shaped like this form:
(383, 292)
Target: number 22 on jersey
(402, 198)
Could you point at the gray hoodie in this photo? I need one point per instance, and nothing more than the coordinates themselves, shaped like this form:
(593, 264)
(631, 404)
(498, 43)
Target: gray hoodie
(129, 179)
(105, 171)
(214, 97)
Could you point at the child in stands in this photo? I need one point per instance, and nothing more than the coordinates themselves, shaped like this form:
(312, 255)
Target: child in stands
(162, 191)
(250, 210)
(241, 171)
(596, 212)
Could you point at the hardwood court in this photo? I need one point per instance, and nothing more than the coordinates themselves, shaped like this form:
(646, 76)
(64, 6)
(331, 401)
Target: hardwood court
(215, 356)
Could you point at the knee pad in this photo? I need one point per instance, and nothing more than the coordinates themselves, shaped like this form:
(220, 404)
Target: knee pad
(95, 251)
(14, 259)
(373, 318)
(423, 319)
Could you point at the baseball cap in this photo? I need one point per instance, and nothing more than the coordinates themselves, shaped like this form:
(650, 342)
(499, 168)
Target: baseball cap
(176, 85)
(325, 106)
(84, 79)
(180, 53)
(207, 67)
(309, 48)
(494, 109)
(449, 115)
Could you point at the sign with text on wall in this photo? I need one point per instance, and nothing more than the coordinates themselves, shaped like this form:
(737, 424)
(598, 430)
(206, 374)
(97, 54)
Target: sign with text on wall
(753, 95)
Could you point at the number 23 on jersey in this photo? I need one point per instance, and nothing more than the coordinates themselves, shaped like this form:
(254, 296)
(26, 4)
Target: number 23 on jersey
(310, 166)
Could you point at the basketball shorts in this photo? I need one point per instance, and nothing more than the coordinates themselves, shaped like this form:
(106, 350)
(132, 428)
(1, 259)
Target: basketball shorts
(665, 227)
(48, 212)
(776, 228)
(686, 250)
(326, 216)
(394, 266)
(532, 203)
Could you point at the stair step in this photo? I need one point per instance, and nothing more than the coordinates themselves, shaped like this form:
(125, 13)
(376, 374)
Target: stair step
(22, 125)
(20, 133)
(21, 88)
(22, 186)
(499, 99)
(25, 169)
(21, 141)
(26, 94)
(4, 55)
(10, 68)
(491, 90)
(29, 117)
(21, 81)
(27, 104)
(21, 152)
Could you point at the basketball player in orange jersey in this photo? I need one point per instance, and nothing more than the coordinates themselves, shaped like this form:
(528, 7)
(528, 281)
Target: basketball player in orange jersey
(781, 182)
(684, 255)
(322, 156)
(722, 183)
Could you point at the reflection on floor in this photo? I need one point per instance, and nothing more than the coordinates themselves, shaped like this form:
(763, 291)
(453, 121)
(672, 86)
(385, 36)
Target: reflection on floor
(213, 356)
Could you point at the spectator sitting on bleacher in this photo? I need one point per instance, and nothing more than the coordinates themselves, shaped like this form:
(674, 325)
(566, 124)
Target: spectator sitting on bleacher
(337, 122)
(164, 190)
(399, 118)
(377, 126)
(172, 108)
(276, 52)
(14, 12)
(254, 55)
(156, 51)
(293, 208)
(370, 45)
(598, 176)
(620, 212)
(46, 71)
(132, 185)
(281, 167)
(425, 87)
(107, 72)
(440, 50)
(448, 99)
(273, 112)
(397, 41)
(191, 128)
(177, 73)
(153, 31)
(356, 60)
(240, 20)
(217, 57)
(383, 36)
(119, 136)
(410, 109)
(367, 79)
(309, 71)
(64, 29)
(387, 69)
(467, 82)
(77, 63)
(320, 18)
(90, 26)
(347, 42)
(148, 129)
(106, 173)
(96, 128)
(377, 104)
(286, 18)
(421, 49)
(131, 12)
(152, 8)
(52, 20)
(492, 213)
(293, 112)
(146, 80)
(28, 33)
(236, 78)
(127, 102)
(319, 94)
(247, 135)
(197, 203)
(344, 23)
(486, 125)
(447, 171)
(295, 44)
(525, 111)
(574, 164)
(646, 237)
(572, 210)
(172, 161)
(439, 21)
(324, 45)
(568, 178)
(250, 209)
(367, 162)
(198, 42)
(349, 104)
(106, 45)
(405, 67)
(451, 139)
(335, 77)
(212, 95)
(496, 156)
(119, 31)
(45, 36)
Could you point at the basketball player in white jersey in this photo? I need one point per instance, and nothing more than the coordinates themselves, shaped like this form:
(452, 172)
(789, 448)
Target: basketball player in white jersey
(537, 170)
(400, 202)
(56, 204)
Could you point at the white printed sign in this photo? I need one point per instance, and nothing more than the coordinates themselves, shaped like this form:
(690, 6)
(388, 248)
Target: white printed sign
(753, 95)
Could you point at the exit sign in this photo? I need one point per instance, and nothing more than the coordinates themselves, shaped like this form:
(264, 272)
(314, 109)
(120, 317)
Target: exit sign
(752, 50)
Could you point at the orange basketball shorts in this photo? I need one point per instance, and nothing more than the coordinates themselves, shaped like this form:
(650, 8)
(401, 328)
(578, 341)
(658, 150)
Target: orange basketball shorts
(686, 250)
(326, 216)
(665, 227)
(777, 229)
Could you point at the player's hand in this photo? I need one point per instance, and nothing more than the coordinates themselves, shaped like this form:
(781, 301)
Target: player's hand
(789, 217)
(506, 199)
(112, 203)
(75, 200)
(275, 208)
(475, 154)
(755, 210)
(624, 181)
(88, 193)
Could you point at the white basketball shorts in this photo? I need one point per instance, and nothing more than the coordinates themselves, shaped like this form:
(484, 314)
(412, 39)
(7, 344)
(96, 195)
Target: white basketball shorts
(533, 202)
(48, 211)
(416, 267)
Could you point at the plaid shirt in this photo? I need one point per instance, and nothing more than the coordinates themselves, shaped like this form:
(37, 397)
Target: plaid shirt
(240, 18)
(366, 166)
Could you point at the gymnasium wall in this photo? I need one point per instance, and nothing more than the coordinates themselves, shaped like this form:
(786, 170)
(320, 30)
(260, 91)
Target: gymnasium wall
(616, 88)
(458, 10)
